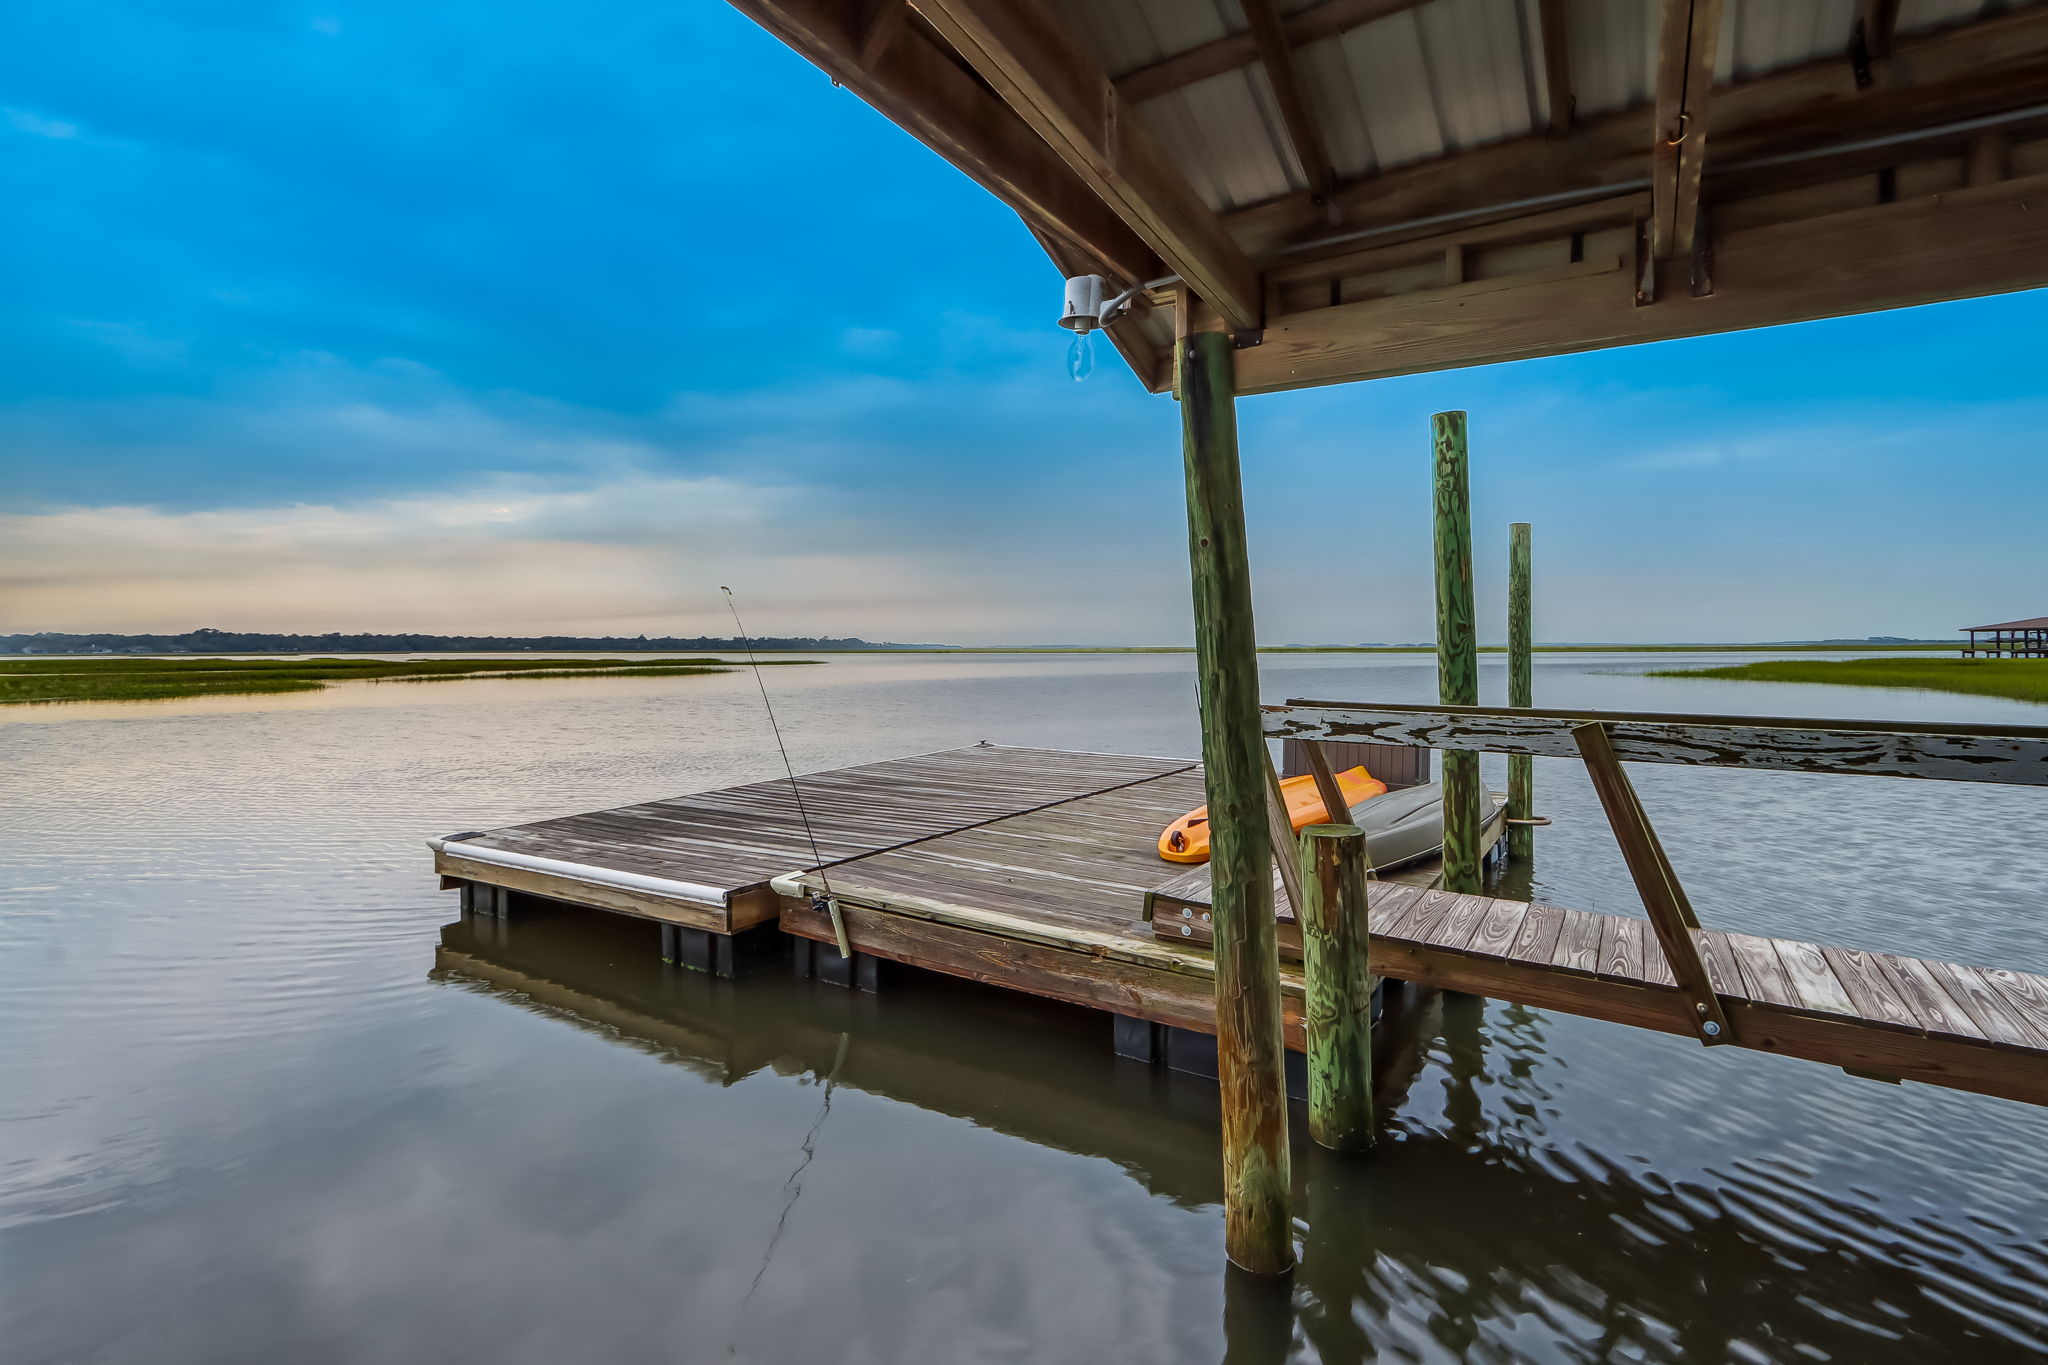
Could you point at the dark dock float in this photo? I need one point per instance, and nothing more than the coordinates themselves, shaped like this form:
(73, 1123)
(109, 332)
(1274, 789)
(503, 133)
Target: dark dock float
(1034, 870)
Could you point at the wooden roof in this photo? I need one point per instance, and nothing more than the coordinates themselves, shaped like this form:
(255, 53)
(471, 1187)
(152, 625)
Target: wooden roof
(1357, 188)
(2031, 623)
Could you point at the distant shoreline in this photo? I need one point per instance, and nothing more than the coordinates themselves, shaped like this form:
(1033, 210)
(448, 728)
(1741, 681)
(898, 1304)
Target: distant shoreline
(1927, 647)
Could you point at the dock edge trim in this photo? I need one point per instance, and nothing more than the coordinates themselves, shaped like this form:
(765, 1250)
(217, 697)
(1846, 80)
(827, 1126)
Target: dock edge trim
(694, 892)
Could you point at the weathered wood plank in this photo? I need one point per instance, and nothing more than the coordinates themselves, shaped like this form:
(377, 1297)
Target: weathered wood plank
(2016, 755)
(1621, 948)
(1876, 998)
(1933, 1006)
(1989, 1010)
(739, 837)
(1429, 914)
(1536, 939)
(1498, 927)
(1458, 926)
(1578, 942)
(1764, 978)
(1813, 980)
(2023, 994)
(1724, 972)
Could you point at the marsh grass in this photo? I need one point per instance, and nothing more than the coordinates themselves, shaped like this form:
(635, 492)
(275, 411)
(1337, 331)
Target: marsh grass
(155, 678)
(2018, 679)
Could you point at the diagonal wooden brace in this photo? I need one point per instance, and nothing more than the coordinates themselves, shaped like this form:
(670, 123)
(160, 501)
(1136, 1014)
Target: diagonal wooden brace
(1671, 914)
(1280, 829)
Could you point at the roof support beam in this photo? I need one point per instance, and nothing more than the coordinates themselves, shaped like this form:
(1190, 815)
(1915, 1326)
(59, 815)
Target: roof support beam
(1324, 20)
(917, 84)
(1875, 22)
(1555, 36)
(880, 25)
(1686, 47)
(1964, 72)
(1051, 79)
(1964, 243)
(1276, 54)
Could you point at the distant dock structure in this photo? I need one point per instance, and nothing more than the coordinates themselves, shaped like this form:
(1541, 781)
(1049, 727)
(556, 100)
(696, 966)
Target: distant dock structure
(2026, 639)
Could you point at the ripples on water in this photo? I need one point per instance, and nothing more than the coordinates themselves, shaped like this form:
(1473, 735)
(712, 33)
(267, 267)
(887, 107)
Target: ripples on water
(251, 1108)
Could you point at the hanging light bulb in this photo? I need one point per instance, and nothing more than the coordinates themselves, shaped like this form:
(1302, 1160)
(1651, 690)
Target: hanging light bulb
(1081, 356)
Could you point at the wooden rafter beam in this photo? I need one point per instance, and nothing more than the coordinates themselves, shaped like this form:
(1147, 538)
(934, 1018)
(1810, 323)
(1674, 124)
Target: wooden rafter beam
(1959, 73)
(1324, 20)
(1051, 79)
(881, 23)
(1963, 243)
(918, 85)
(1304, 134)
(1554, 34)
(1686, 47)
(1876, 20)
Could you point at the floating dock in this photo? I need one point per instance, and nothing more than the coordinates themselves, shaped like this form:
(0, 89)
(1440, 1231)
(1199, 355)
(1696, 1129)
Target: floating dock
(1034, 870)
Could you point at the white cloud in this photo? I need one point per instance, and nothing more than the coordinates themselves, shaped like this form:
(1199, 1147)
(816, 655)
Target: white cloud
(28, 121)
(636, 553)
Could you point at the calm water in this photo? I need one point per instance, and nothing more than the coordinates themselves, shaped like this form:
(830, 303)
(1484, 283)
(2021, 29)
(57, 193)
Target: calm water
(264, 1097)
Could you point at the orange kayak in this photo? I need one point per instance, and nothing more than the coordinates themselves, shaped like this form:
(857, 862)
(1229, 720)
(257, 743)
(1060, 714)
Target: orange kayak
(1186, 840)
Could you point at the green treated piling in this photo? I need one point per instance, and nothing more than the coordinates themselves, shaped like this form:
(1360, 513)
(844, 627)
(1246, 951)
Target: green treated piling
(1521, 691)
(1337, 986)
(1257, 1227)
(1457, 647)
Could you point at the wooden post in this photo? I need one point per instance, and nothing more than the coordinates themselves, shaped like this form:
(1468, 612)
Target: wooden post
(1337, 986)
(1257, 1228)
(1457, 647)
(1521, 691)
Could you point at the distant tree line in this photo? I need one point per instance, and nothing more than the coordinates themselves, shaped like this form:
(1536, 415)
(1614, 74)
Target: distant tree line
(211, 641)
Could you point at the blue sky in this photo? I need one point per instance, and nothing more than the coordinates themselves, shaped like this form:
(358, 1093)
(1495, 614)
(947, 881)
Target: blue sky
(533, 317)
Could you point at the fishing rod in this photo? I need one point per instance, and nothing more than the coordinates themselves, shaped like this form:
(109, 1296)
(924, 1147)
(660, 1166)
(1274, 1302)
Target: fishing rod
(827, 902)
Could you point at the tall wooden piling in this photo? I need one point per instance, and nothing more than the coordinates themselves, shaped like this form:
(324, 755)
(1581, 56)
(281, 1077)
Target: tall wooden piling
(1337, 986)
(1521, 691)
(1258, 1231)
(1457, 647)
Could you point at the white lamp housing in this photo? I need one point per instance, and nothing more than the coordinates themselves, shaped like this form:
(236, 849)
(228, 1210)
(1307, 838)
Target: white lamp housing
(1087, 304)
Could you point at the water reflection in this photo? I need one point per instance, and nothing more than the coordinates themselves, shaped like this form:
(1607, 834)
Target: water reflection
(238, 1122)
(1472, 1234)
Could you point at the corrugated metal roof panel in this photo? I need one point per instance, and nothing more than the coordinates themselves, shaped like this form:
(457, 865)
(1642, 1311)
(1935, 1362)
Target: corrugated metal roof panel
(1229, 127)
(1439, 78)
(1138, 33)
(1915, 15)
(1614, 54)
(1763, 35)
(1478, 59)
(1389, 77)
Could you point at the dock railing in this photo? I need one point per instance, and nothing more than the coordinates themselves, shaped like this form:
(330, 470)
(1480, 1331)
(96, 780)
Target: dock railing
(1603, 740)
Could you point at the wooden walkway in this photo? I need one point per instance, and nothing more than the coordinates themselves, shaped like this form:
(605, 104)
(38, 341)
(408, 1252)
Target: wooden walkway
(1035, 870)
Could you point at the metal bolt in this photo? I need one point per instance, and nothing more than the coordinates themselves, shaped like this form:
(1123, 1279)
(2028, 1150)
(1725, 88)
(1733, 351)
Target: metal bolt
(1711, 1029)
(1187, 914)
(1187, 931)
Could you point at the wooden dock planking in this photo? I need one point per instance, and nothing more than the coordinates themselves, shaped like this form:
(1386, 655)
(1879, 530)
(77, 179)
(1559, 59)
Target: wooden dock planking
(719, 848)
(1051, 898)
